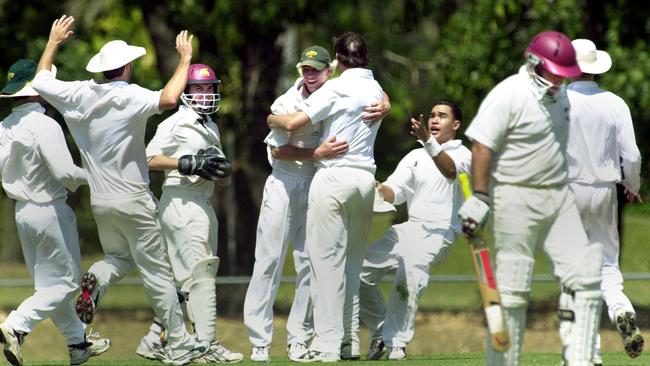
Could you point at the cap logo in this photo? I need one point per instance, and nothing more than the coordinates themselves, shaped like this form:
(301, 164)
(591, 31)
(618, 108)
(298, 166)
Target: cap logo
(311, 53)
(10, 75)
(204, 71)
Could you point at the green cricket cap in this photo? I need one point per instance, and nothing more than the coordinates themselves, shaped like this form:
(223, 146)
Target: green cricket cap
(316, 57)
(19, 74)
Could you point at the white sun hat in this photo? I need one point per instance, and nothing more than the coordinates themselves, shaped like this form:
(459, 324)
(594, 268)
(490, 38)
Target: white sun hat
(113, 55)
(591, 60)
(380, 205)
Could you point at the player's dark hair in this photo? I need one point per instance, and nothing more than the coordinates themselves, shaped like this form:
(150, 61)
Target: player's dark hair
(455, 109)
(115, 73)
(351, 50)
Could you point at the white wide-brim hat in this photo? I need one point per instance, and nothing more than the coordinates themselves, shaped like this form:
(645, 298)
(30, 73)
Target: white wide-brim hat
(380, 205)
(591, 60)
(114, 55)
(27, 90)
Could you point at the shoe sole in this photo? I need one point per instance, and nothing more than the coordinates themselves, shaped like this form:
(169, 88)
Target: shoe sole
(85, 306)
(10, 356)
(632, 339)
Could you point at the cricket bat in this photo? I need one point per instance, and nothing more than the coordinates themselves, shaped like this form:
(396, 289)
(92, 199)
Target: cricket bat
(487, 282)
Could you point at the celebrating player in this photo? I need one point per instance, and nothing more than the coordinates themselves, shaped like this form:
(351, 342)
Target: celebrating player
(107, 121)
(519, 136)
(187, 147)
(340, 197)
(601, 142)
(426, 180)
(36, 169)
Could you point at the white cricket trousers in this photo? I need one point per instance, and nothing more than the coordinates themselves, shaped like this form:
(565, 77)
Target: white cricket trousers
(410, 249)
(50, 243)
(283, 217)
(339, 217)
(130, 236)
(526, 219)
(598, 210)
(190, 229)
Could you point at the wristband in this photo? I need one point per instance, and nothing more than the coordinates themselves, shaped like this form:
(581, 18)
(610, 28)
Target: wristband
(483, 197)
(432, 147)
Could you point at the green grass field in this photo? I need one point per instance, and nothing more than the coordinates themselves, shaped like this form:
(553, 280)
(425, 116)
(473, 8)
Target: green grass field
(449, 329)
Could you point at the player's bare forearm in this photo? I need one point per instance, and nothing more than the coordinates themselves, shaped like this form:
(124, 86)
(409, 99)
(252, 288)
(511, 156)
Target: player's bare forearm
(161, 162)
(289, 152)
(386, 192)
(446, 165)
(59, 33)
(481, 165)
(176, 84)
(329, 149)
(288, 122)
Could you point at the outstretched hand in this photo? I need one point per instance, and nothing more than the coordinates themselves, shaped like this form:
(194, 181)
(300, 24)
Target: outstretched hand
(184, 44)
(420, 129)
(60, 31)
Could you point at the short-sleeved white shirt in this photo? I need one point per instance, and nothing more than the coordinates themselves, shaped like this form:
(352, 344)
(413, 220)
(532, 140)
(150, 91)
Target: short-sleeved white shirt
(430, 196)
(183, 133)
(107, 122)
(526, 130)
(37, 165)
(601, 138)
(339, 105)
(306, 137)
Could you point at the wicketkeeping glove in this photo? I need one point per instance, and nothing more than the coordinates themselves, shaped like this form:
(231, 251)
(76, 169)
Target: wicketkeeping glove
(473, 213)
(209, 164)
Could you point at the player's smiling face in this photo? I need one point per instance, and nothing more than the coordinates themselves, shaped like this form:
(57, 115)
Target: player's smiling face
(442, 123)
(314, 78)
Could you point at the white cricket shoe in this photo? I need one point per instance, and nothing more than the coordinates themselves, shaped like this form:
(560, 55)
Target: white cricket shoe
(183, 357)
(152, 350)
(93, 346)
(219, 354)
(12, 343)
(376, 350)
(260, 354)
(315, 356)
(296, 351)
(632, 338)
(397, 353)
(86, 304)
(597, 359)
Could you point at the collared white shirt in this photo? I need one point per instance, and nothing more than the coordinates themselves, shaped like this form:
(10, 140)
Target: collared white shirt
(184, 134)
(601, 137)
(37, 165)
(107, 122)
(526, 132)
(307, 137)
(339, 105)
(430, 196)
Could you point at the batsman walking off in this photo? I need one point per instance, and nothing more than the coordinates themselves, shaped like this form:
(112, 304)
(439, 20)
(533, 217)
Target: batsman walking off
(107, 121)
(519, 172)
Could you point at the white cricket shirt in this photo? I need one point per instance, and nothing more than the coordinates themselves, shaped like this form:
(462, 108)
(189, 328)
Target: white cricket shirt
(183, 134)
(37, 165)
(430, 196)
(306, 137)
(339, 105)
(601, 136)
(107, 122)
(526, 130)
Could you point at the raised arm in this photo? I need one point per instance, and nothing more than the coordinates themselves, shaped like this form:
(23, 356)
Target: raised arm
(443, 161)
(59, 34)
(175, 86)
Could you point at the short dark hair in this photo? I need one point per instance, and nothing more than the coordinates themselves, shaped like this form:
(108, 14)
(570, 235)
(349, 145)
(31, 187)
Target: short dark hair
(115, 73)
(455, 109)
(351, 50)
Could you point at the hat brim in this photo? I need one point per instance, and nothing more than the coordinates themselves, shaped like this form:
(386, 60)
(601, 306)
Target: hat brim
(318, 65)
(26, 90)
(602, 64)
(130, 53)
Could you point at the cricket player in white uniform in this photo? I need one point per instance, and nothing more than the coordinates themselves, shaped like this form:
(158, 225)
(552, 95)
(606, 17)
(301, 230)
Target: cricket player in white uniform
(426, 180)
(601, 146)
(283, 214)
(107, 121)
(341, 196)
(189, 224)
(518, 168)
(36, 168)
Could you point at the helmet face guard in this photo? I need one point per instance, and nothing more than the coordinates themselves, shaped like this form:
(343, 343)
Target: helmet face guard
(202, 103)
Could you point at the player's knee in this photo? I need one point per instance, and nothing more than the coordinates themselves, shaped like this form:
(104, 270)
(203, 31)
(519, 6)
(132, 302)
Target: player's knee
(511, 299)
